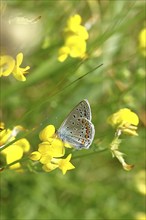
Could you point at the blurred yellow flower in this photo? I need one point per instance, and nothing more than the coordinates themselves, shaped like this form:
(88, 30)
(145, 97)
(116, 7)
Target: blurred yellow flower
(19, 72)
(7, 64)
(140, 181)
(2, 126)
(76, 45)
(140, 216)
(142, 41)
(125, 120)
(75, 39)
(5, 136)
(50, 151)
(74, 27)
(15, 152)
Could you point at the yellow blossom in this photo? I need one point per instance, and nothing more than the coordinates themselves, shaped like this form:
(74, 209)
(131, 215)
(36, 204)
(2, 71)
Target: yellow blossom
(35, 156)
(125, 120)
(7, 64)
(5, 135)
(75, 36)
(63, 53)
(142, 41)
(19, 72)
(76, 45)
(65, 164)
(2, 126)
(15, 152)
(74, 27)
(51, 151)
(140, 216)
(73, 22)
(140, 181)
(47, 132)
(49, 167)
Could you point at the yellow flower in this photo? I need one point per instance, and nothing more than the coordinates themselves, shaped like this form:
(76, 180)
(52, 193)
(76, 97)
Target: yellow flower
(75, 39)
(63, 53)
(65, 164)
(142, 41)
(35, 156)
(54, 149)
(76, 45)
(15, 152)
(140, 181)
(7, 135)
(125, 120)
(47, 133)
(74, 22)
(19, 72)
(2, 126)
(51, 150)
(140, 216)
(74, 26)
(7, 64)
(49, 167)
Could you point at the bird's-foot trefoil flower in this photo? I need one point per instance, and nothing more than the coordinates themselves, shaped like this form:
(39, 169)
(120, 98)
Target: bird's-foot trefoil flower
(51, 151)
(14, 151)
(75, 36)
(19, 72)
(142, 41)
(125, 121)
(9, 65)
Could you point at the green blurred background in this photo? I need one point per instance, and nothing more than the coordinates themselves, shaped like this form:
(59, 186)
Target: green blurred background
(98, 188)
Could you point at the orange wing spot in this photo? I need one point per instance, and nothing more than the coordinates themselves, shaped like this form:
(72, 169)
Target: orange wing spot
(83, 141)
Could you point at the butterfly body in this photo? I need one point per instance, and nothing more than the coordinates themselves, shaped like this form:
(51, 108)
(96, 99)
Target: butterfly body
(77, 129)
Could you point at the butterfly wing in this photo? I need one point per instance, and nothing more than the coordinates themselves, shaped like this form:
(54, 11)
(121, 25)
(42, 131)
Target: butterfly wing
(82, 110)
(77, 129)
(81, 135)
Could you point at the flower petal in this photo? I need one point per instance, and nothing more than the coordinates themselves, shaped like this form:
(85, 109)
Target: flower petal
(7, 64)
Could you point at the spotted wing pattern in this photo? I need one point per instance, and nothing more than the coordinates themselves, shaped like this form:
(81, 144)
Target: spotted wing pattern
(77, 129)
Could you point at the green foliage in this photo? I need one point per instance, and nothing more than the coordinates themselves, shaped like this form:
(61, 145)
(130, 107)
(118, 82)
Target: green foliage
(98, 188)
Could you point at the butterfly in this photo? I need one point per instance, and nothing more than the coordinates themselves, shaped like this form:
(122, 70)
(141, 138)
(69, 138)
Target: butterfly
(77, 129)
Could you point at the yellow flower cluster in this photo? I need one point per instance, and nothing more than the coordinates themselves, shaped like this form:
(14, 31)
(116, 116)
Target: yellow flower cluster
(125, 120)
(75, 39)
(8, 65)
(142, 41)
(16, 150)
(51, 151)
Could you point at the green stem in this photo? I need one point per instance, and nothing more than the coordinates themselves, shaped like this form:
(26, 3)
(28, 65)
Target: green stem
(90, 154)
(16, 161)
